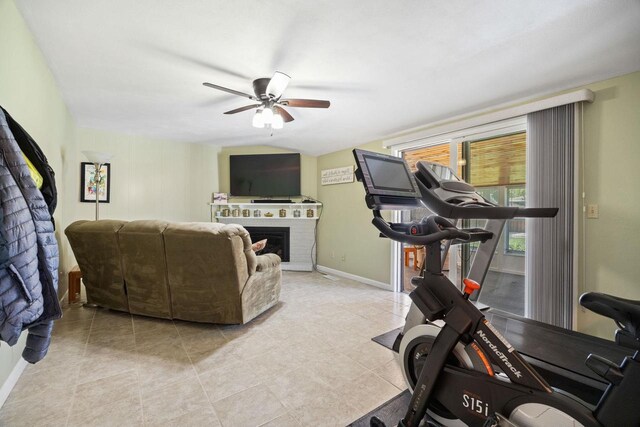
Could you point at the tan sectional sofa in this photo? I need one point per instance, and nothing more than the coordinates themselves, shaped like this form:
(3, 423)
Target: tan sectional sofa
(202, 272)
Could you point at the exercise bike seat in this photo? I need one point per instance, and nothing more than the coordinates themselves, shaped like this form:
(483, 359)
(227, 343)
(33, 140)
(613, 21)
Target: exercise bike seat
(625, 312)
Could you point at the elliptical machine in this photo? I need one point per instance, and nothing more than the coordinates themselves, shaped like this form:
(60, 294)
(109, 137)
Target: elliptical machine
(460, 368)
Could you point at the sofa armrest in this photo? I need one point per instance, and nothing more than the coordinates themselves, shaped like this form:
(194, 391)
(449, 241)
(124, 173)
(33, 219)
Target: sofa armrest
(267, 261)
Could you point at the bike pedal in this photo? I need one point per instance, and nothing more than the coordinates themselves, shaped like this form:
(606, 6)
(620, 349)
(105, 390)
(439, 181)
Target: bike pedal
(498, 420)
(376, 422)
(605, 368)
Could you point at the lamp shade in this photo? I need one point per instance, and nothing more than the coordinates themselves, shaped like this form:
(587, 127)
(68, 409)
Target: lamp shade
(267, 116)
(97, 157)
(277, 122)
(277, 84)
(258, 121)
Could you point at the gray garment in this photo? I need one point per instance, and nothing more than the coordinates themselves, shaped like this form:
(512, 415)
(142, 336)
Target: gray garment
(28, 254)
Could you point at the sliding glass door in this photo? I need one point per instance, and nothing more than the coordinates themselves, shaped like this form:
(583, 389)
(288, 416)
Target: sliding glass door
(496, 166)
(412, 256)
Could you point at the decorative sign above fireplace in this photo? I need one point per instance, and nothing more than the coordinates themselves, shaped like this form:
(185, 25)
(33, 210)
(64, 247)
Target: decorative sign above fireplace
(336, 175)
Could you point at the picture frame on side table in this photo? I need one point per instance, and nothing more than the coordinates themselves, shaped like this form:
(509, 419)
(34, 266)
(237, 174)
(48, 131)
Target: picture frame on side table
(88, 183)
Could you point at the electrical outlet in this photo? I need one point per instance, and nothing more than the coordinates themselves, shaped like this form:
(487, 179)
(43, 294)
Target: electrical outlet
(592, 211)
(333, 254)
(344, 258)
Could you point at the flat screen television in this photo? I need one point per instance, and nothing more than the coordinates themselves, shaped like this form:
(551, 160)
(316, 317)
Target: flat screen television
(265, 175)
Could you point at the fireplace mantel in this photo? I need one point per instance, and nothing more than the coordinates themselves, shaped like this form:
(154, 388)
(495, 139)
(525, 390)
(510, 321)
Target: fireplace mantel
(301, 218)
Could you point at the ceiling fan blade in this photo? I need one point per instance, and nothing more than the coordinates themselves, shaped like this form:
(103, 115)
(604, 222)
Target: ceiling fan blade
(306, 103)
(285, 115)
(234, 92)
(277, 85)
(241, 109)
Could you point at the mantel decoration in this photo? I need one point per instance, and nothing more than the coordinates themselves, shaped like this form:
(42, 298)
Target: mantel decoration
(220, 198)
(95, 178)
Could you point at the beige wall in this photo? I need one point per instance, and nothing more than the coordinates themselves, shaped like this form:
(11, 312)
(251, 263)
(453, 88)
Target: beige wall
(346, 239)
(612, 180)
(29, 93)
(150, 178)
(308, 167)
(611, 176)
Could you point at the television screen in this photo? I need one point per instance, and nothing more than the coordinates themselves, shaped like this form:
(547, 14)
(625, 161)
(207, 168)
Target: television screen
(265, 175)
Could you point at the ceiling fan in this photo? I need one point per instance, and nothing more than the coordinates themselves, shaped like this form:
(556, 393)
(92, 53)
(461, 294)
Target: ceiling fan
(268, 94)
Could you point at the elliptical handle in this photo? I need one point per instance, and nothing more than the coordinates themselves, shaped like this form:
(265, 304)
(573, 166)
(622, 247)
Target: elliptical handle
(448, 234)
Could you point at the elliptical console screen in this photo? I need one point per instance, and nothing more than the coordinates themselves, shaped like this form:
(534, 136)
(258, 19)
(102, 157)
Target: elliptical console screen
(386, 175)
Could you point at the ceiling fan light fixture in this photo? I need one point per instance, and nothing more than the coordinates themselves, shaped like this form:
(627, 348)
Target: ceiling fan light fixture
(277, 122)
(268, 94)
(267, 116)
(258, 120)
(277, 85)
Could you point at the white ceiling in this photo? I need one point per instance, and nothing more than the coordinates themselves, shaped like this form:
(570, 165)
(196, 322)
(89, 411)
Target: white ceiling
(137, 66)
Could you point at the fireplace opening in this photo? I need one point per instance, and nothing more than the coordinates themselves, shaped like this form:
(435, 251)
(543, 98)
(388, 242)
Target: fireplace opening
(277, 240)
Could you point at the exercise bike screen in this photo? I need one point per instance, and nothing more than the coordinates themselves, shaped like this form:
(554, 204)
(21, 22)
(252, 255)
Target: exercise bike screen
(388, 174)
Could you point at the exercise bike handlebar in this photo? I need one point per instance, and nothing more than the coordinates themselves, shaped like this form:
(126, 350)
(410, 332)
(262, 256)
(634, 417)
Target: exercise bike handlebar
(451, 210)
(446, 234)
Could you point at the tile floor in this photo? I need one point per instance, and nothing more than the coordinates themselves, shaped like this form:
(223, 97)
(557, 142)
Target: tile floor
(309, 361)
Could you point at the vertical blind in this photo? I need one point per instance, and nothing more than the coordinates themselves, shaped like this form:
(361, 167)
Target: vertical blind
(550, 241)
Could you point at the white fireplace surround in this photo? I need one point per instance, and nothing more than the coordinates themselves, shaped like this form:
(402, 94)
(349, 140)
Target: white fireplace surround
(301, 238)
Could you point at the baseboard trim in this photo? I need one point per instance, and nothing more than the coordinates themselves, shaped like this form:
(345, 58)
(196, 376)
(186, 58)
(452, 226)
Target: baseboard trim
(334, 272)
(296, 266)
(11, 381)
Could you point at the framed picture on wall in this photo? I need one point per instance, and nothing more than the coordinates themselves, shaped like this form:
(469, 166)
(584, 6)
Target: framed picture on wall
(88, 182)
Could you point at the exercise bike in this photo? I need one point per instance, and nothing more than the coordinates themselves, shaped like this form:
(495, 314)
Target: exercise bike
(461, 369)
(556, 353)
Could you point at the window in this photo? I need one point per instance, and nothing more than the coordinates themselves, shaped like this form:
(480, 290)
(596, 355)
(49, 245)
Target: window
(515, 234)
(496, 166)
(491, 194)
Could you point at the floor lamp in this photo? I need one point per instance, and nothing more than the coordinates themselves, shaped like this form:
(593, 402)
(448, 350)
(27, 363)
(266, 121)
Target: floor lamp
(98, 159)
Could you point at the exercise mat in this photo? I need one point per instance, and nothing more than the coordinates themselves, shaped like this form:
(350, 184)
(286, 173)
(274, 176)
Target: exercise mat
(389, 412)
(387, 339)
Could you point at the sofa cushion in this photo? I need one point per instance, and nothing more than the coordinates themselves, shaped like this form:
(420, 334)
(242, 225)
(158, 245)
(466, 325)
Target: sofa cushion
(144, 267)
